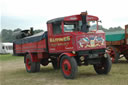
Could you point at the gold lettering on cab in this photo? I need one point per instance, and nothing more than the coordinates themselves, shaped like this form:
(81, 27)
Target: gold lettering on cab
(63, 39)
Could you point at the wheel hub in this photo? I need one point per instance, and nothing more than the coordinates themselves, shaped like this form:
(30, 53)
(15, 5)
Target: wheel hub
(28, 63)
(65, 67)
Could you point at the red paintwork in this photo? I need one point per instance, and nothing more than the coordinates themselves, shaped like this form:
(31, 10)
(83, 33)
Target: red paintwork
(42, 55)
(78, 18)
(31, 47)
(34, 57)
(27, 63)
(73, 44)
(68, 54)
(112, 53)
(70, 41)
(88, 45)
(18, 48)
(66, 67)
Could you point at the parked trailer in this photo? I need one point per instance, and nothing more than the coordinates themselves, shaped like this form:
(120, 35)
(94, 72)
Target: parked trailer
(118, 45)
(6, 48)
(69, 42)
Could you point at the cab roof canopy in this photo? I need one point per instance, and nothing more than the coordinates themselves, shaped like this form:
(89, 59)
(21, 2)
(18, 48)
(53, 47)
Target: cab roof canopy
(55, 20)
(72, 18)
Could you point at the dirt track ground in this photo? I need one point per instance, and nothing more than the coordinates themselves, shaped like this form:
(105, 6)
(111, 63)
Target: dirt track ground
(13, 73)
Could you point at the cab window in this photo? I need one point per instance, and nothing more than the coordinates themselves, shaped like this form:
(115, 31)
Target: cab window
(57, 29)
(70, 26)
(91, 25)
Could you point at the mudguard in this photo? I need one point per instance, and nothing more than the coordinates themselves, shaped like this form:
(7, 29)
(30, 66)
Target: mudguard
(68, 54)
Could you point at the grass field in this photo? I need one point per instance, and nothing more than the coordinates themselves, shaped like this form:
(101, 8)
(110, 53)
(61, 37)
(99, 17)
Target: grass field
(12, 72)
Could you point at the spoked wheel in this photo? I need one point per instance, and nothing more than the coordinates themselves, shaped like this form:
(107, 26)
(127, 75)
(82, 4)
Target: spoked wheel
(28, 64)
(68, 67)
(113, 54)
(31, 66)
(105, 66)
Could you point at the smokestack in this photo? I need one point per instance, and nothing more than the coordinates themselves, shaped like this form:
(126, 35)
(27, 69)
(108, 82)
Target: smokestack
(31, 30)
(84, 22)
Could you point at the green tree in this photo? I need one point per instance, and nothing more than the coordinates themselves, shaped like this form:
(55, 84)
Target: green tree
(38, 31)
(7, 35)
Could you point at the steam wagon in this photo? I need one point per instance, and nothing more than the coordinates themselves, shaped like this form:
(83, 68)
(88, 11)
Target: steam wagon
(69, 42)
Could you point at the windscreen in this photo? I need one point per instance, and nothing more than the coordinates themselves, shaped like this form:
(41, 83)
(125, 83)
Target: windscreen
(77, 25)
(92, 25)
(71, 26)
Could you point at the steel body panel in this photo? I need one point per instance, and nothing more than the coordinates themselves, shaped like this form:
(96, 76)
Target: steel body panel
(58, 45)
(91, 41)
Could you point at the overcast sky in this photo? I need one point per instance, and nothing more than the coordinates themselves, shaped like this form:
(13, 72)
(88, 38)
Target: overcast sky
(35, 13)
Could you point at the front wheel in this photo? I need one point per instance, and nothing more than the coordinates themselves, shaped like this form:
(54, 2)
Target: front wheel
(105, 65)
(68, 67)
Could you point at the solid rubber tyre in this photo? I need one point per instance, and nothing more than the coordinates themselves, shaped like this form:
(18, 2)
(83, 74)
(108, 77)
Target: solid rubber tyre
(68, 67)
(104, 67)
(37, 66)
(31, 67)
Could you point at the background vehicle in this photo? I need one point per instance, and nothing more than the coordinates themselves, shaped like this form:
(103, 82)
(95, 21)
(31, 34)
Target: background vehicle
(118, 45)
(70, 42)
(6, 48)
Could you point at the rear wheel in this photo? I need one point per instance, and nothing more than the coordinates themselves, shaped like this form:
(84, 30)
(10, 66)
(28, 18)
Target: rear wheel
(113, 53)
(68, 67)
(31, 66)
(105, 66)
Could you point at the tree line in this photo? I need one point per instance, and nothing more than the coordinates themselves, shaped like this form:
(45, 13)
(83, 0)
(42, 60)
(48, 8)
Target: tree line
(111, 29)
(8, 35)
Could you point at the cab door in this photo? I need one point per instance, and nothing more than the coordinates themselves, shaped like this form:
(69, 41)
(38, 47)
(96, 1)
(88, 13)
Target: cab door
(126, 34)
(55, 38)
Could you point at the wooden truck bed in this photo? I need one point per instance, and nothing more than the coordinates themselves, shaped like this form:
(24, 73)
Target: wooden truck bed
(35, 43)
(115, 39)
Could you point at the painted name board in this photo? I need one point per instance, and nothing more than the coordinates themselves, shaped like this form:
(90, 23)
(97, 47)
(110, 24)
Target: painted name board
(62, 39)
